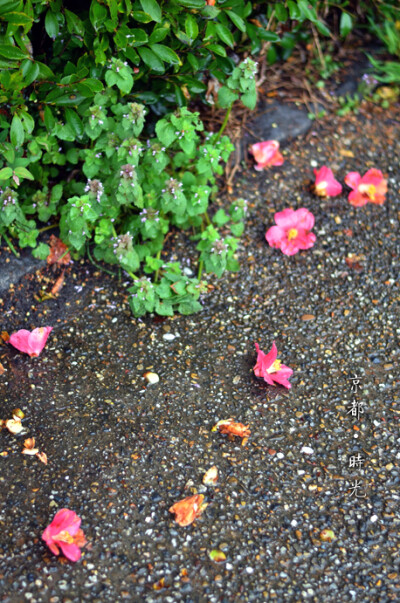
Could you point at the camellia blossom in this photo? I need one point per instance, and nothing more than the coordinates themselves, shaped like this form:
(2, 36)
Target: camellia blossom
(270, 369)
(30, 342)
(292, 231)
(372, 187)
(64, 533)
(325, 183)
(188, 509)
(230, 427)
(266, 154)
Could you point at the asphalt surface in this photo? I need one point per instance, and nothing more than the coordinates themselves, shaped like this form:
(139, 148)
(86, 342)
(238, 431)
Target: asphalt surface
(121, 451)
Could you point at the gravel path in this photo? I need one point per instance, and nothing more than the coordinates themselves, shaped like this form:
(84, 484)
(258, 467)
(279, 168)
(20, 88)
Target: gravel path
(121, 452)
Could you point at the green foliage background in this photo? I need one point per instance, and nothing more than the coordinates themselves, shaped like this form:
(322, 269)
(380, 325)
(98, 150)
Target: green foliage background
(95, 134)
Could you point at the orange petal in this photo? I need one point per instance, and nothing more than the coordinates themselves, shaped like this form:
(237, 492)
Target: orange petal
(188, 509)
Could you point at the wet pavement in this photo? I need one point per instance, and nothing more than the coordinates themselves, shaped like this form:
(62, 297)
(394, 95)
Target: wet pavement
(121, 451)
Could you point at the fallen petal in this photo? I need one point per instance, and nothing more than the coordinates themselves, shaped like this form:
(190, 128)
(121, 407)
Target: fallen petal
(210, 478)
(217, 556)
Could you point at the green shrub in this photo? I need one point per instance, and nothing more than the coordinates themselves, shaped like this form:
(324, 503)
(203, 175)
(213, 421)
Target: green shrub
(95, 134)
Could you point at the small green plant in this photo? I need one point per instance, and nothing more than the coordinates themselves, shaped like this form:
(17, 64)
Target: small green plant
(348, 104)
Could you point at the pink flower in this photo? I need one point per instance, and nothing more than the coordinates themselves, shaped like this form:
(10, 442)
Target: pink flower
(325, 183)
(64, 533)
(371, 187)
(31, 343)
(266, 153)
(270, 369)
(292, 232)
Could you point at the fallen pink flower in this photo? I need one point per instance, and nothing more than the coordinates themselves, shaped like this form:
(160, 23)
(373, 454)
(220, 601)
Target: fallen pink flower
(64, 533)
(30, 342)
(325, 183)
(372, 187)
(270, 369)
(292, 231)
(266, 154)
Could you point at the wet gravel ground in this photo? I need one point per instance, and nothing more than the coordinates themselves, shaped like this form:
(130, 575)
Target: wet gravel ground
(121, 452)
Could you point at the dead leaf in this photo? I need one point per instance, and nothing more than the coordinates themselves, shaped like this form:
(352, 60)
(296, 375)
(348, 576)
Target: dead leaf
(2, 369)
(346, 153)
(230, 427)
(58, 284)
(5, 336)
(217, 556)
(42, 456)
(353, 261)
(59, 253)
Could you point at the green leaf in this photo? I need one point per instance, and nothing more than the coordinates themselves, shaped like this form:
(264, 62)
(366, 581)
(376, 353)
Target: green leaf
(164, 309)
(346, 24)
(17, 133)
(22, 172)
(217, 49)
(249, 99)
(17, 18)
(41, 252)
(192, 3)
(98, 14)
(237, 229)
(268, 36)
(165, 132)
(51, 24)
(191, 27)
(6, 173)
(12, 52)
(322, 28)
(224, 35)
(280, 11)
(30, 71)
(294, 11)
(220, 218)
(166, 54)
(152, 8)
(151, 59)
(189, 307)
(74, 122)
(49, 120)
(74, 24)
(236, 20)
(226, 97)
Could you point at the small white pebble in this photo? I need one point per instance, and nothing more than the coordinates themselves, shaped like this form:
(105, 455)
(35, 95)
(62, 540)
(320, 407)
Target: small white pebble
(374, 518)
(169, 336)
(151, 377)
(307, 450)
(280, 455)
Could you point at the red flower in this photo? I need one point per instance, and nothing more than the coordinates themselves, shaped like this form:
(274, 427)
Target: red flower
(371, 187)
(64, 533)
(325, 183)
(292, 231)
(270, 369)
(188, 509)
(30, 342)
(266, 153)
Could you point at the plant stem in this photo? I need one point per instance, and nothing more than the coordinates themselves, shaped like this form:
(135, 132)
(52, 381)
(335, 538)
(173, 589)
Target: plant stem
(157, 275)
(133, 276)
(48, 227)
(97, 265)
(207, 217)
(224, 123)
(200, 271)
(11, 246)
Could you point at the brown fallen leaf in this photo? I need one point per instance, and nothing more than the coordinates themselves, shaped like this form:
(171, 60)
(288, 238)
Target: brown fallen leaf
(346, 153)
(230, 427)
(353, 261)
(2, 369)
(59, 253)
(30, 447)
(58, 284)
(5, 336)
